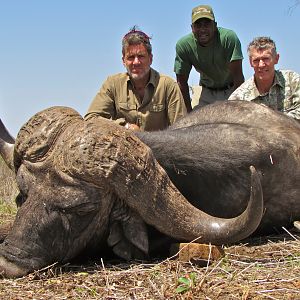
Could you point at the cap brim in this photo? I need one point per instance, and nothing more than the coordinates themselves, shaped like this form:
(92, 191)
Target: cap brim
(197, 17)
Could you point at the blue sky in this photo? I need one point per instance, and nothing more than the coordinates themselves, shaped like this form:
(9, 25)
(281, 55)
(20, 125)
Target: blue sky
(59, 52)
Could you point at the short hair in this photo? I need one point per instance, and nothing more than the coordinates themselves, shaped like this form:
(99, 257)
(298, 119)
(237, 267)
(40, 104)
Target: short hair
(262, 43)
(135, 37)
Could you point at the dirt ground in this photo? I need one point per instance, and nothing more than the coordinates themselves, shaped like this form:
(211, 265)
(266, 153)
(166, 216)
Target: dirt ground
(264, 268)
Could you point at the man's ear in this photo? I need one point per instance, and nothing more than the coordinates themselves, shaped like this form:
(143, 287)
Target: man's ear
(192, 27)
(277, 58)
(250, 61)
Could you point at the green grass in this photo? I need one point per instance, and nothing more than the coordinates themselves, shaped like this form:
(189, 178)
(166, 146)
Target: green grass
(7, 212)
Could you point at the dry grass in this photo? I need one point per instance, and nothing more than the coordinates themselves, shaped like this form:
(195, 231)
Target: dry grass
(8, 187)
(268, 270)
(265, 268)
(8, 192)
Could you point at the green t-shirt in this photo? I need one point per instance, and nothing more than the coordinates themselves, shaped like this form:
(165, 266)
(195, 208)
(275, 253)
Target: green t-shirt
(210, 61)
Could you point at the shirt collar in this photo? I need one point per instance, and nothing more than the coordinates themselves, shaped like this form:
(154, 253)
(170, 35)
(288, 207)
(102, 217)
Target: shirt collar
(153, 77)
(254, 91)
(277, 79)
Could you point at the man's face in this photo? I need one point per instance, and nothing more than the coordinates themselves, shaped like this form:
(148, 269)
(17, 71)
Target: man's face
(204, 31)
(263, 62)
(137, 61)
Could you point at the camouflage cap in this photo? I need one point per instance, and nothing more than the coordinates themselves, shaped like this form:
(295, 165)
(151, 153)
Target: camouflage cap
(202, 11)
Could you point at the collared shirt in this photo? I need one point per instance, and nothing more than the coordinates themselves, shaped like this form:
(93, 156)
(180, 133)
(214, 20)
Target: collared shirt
(161, 106)
(284, 94)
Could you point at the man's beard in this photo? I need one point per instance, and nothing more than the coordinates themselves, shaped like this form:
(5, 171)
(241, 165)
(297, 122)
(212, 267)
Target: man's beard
(138, 76)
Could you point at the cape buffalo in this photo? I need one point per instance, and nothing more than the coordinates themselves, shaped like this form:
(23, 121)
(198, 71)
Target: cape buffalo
(84, 183)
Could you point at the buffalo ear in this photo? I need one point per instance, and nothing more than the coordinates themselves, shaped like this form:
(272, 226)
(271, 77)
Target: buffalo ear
(128, 235)
(5, 135)
(6, 146)
(135, 230)
(127, 251)
(7, 153)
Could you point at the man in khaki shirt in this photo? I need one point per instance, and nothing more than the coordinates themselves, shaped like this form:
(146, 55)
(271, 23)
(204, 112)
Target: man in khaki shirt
(141, 98)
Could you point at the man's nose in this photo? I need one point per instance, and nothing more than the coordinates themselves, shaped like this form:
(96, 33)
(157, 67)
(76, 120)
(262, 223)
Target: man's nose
(136, 60)
(261, 63)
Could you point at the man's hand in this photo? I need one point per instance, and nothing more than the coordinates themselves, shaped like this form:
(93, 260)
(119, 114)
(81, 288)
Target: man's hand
(133, 127)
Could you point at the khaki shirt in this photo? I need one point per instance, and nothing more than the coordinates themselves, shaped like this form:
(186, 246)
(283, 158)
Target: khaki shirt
(162, 105)
(284, 94)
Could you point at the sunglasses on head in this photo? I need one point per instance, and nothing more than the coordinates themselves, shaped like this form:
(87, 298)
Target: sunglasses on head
(143, 34)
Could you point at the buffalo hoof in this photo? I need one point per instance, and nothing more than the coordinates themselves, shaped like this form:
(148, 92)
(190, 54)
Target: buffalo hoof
(10, 270)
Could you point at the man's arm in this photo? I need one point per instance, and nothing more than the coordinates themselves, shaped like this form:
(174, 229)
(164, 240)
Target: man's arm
(103, 103)
(182, 81)
(293, 108)
(176, 106)
(295, 113)
(236, 70)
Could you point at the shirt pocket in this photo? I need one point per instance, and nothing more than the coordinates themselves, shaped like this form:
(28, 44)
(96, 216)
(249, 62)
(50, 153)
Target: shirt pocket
(127, 106)
(127, 111)
(157, 107)
(156, 118)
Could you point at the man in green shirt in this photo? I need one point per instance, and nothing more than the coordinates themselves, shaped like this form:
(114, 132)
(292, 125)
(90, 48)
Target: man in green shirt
(215, 53)
(278, 89)
(141, 98)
